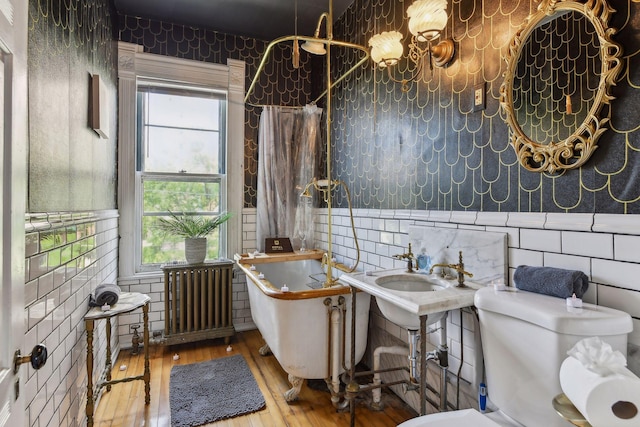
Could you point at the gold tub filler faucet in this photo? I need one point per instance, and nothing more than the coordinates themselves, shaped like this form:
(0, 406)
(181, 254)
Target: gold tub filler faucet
(409, 257)
(459, 268)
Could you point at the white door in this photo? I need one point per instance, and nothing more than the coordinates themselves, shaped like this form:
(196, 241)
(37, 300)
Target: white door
(13, 175)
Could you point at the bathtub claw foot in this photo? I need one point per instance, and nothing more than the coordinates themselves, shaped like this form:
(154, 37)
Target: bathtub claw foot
(292, 394)
(376, 406)
(264, 350)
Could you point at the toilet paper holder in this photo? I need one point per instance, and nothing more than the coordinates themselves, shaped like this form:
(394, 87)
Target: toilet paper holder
(568, 411)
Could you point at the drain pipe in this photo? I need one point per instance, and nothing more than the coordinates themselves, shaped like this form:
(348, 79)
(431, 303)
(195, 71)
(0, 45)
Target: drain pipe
(414, 374)
(327, 303)
(376, 392)
(439, 355)
(336, 400)
(335, 317)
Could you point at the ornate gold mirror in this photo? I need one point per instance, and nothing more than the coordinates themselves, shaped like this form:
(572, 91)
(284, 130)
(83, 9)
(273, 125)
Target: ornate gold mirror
(561, 65)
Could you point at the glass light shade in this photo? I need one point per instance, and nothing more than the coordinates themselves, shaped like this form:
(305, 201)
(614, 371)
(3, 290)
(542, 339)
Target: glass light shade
(386, 48)
(427, 18)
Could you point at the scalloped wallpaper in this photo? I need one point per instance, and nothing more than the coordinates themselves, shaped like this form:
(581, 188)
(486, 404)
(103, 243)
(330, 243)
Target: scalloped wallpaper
(280, 83)
(70, 167)
(428, 149)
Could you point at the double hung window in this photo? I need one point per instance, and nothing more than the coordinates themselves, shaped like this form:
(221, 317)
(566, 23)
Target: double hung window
(180, 163)
(180, 150)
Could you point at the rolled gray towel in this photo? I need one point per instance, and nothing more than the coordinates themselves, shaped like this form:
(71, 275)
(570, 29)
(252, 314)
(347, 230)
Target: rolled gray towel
(552, 281)
(105, 293)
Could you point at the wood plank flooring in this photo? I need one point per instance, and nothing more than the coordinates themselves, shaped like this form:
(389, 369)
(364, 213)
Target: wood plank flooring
(124, 405)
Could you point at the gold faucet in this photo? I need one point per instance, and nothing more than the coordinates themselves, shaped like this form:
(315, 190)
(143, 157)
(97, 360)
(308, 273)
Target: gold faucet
(409, 257)
(459, 268)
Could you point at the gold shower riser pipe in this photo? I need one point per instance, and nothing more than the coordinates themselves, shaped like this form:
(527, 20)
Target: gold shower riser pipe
(275, 42)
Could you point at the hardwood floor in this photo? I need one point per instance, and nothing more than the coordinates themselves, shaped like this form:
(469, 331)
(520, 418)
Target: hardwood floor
(124, 404)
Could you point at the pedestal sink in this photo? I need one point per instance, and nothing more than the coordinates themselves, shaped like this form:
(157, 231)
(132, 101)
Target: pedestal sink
(403, 297)
(409, 283)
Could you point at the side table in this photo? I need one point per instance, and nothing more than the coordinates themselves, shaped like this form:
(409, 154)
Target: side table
(127, 302)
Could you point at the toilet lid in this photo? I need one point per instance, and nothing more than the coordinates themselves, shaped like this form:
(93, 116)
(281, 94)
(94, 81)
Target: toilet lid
(465, 417)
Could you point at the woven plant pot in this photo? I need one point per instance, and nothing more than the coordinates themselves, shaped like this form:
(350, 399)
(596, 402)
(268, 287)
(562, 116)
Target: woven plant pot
(195, 249)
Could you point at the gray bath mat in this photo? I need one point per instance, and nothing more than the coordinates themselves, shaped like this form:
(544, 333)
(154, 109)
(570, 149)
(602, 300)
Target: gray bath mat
(209, 391)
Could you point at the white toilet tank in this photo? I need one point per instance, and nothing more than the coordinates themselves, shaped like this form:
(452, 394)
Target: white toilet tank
(525, 338)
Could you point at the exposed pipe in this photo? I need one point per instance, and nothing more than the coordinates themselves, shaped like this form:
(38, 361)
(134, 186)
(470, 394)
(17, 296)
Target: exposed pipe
(443, 361)
(377, 382)
(344, 335)
(327, 303)
(441, 355)
(328, 41)
(336, 315)
(328, 25)
(461, 358)
(326, 187)
(353, 388)
(275, 42)
(332, 378)
(335, 356)
(414, 375)
(423, 364)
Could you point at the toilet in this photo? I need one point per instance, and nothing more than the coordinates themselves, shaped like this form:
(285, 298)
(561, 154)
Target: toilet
(525, 338)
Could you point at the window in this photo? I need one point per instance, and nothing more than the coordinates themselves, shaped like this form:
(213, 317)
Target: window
(180, 152)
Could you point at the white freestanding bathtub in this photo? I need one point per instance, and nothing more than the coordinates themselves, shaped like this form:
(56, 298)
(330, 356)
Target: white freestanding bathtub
(303, 325)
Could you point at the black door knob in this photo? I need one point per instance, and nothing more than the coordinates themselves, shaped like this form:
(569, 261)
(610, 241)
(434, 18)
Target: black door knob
(37, 358)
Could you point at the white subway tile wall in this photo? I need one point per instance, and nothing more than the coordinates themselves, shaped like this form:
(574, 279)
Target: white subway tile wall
(602, 246)
(67, 256)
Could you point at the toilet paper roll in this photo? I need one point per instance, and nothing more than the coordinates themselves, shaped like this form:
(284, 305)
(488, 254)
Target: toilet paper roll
(605, 401)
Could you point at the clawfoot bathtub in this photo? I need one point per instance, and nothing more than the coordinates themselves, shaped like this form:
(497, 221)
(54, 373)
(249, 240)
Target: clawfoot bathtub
(305, 326)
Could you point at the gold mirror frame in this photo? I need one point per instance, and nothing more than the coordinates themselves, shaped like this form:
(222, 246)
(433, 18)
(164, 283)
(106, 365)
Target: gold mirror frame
(575, 150)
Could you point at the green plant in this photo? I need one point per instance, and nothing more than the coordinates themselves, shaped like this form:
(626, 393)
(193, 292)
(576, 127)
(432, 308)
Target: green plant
(190, 226)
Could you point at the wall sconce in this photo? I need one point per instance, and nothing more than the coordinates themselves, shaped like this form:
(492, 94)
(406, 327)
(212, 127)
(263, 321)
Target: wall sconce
(427, 19)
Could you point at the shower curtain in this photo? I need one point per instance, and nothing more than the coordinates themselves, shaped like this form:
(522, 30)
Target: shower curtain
(289, 144)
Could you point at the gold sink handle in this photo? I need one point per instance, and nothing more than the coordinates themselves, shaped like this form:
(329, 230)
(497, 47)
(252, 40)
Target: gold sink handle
(409, 257)
(459, 268)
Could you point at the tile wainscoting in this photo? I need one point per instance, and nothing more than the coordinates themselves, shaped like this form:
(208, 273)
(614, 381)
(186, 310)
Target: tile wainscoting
(66, 256)
(604, 246)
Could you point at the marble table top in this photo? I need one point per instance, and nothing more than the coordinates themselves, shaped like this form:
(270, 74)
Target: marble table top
(128, 301)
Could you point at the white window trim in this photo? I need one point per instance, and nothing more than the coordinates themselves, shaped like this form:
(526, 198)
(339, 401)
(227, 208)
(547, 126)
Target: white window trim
(134, 62)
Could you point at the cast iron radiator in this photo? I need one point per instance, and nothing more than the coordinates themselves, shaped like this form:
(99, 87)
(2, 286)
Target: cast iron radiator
(197, 302)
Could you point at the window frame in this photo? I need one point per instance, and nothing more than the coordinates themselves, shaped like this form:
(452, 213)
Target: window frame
(134, 64)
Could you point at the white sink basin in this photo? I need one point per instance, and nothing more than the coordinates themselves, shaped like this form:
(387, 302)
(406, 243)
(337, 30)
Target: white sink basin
(409, 283)
(404, 297)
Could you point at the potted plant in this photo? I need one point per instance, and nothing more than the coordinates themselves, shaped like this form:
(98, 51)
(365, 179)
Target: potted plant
(194, 229)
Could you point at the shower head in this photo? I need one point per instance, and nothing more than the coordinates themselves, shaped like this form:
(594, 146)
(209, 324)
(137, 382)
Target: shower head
(316, 48)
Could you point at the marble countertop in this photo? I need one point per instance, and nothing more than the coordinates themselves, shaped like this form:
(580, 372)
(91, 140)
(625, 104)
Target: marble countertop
(418, 303)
